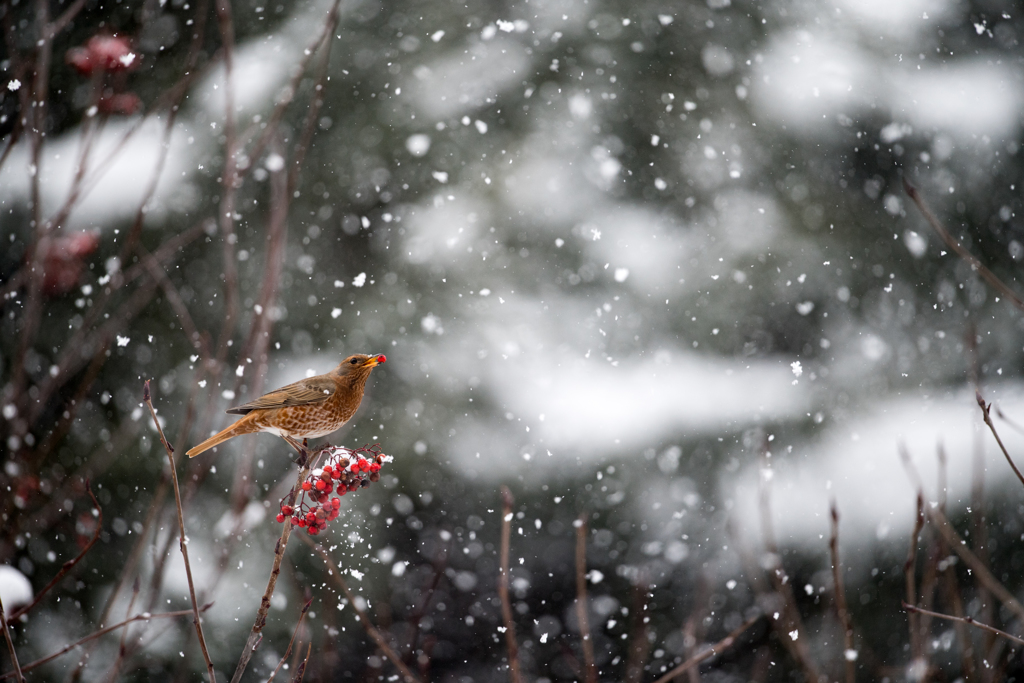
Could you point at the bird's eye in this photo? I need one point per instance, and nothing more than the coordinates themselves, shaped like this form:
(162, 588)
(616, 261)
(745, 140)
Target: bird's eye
(353, 361)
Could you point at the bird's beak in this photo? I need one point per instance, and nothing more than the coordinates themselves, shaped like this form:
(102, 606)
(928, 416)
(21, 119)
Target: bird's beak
(374, 361)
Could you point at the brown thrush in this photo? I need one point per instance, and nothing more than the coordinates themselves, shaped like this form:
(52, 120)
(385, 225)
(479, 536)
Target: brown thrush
(312, 407)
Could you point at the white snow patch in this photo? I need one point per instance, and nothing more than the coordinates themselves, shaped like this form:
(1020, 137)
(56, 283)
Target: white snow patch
(15, 589)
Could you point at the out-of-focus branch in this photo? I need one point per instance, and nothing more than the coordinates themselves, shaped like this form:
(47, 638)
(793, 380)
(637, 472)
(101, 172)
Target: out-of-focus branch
(954, 244)
(590, 669)
(295, 632)
(985, 407)
(182, 543)
(145, 616)
(256, 634)
(783, 587)
(717, 648)
(10, 645)
(371, 630)
(910, 578)
(982, 572)
(506, 606)
(965, 620)
(842, 611)
(69, 565)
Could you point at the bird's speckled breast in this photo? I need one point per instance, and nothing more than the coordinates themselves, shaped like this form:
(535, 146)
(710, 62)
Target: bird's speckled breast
(313, 420)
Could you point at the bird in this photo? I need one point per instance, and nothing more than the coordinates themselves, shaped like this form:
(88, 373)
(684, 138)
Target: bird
(307, 409)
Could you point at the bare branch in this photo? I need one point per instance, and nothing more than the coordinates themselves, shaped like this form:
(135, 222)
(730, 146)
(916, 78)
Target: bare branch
(256, 634)
(981, 572)
(723, 644)
(910, 577)
(985, 407)
(371, 630)
(10, 645)
(69, 565)
(182, 542)
(840, 596)
(506, 607)
(288, 650)
(965, 620)
(581, 599)
(954, 244)
(145, 616)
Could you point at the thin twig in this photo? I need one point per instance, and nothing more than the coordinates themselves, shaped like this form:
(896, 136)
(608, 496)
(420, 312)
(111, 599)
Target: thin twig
(590, 668)
(145, 616)
(69, 565)
(182, 542)
(783, 587)
(371, 630)
(965, 620)
(715, 649)
(984, 576)
(122, 647)
(10, 645)
(288, 650)
(954, 244)
(985, 407)
(842, 611)
(506, 607)
(256, 634)
(910, 577)
(639, 645)
(300, 672)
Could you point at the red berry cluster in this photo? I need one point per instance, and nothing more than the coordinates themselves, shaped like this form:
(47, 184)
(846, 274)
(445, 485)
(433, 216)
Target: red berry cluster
(103, 52)
(311, 507)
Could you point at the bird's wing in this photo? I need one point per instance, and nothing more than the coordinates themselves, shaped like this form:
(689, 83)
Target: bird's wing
(303, 392)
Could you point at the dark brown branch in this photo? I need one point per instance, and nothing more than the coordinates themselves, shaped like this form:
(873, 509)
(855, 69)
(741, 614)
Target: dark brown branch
(723, 644)
(783, 587)
(506, 606)
(954, 244)
(10, 645)
(985, 407)
(590, 669)
(910, 577)
(256, 634)
(965, 620)
(981, 572)
(288, 650)
(842, 611)
(182, 542)
(69, 565)
(145, 616)
(300, 672)
(371, 630)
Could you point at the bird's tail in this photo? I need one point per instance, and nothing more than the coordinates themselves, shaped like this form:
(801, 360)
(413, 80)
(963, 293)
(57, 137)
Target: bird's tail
(243, 426)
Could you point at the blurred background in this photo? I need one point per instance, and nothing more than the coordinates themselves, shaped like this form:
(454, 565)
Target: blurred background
(613, 251)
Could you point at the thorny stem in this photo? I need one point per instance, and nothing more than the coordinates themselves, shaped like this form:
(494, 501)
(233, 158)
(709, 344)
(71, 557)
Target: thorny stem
(182, 543)
(581, 599)
(715, 649)
(10, 645)
(371, 630)
(965, 620)
(145, 616)
(985, 408)
(840, 596)
(261, 616)
(506, 607)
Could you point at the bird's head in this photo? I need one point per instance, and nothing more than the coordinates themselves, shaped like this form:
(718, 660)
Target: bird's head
(358, 365)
